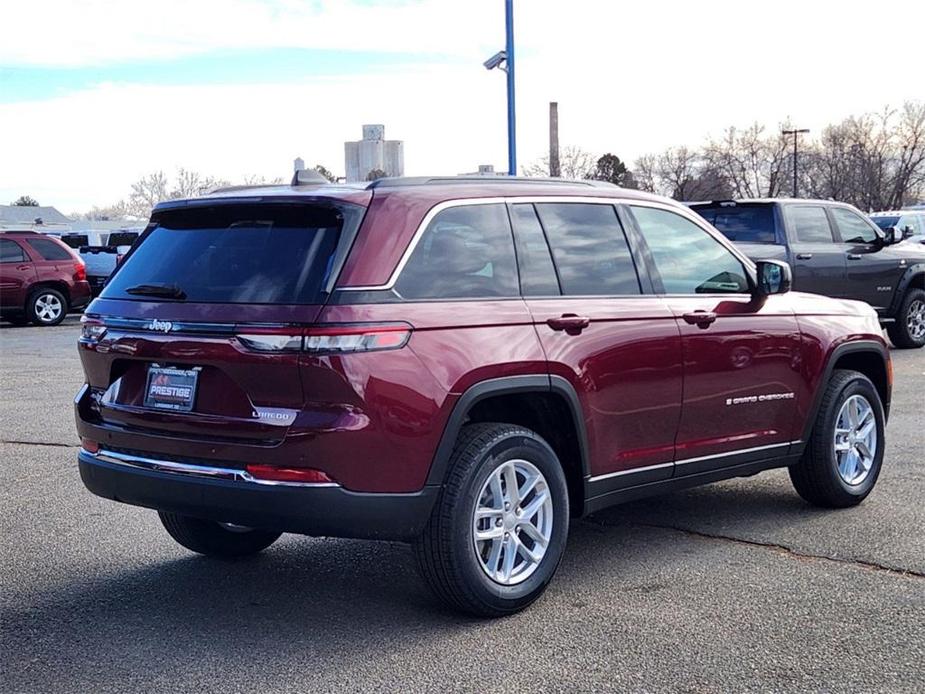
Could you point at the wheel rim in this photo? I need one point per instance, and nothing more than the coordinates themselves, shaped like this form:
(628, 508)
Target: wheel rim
(512, 522)
(48, 308)
(855, 440)
(915, 319)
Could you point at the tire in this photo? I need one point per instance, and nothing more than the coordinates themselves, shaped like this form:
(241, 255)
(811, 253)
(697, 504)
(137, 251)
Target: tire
(908, 332)
(454, 563)
(214, 539)
(822, 476)
(46, 307)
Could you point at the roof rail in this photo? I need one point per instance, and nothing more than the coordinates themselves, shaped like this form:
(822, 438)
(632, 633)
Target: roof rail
(484, 180)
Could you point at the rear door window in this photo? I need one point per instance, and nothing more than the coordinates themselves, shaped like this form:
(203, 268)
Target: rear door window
(537, 272)
(809, 223)
(589, 248)
(239, 254)
(50, 250)
(11, 252)
(742, 223)
(466, 252)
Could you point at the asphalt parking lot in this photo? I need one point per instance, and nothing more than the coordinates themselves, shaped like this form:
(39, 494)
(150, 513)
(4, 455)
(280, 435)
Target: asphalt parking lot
(739, 586)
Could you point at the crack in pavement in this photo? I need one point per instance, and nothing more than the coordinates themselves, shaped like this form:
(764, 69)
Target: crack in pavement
(861, 563)
(40, 443)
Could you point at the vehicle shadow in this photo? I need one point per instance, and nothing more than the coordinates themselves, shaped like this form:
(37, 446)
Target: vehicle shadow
(332, 602)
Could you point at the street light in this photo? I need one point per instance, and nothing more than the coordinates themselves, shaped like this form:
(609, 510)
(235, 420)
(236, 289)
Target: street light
(504, 60)
(796, 134)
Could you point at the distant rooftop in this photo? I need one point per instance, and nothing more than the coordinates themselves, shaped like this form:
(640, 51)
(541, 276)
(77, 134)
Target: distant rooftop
(20, 214)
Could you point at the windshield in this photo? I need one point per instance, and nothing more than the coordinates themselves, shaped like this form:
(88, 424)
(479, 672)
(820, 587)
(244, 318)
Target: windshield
(885, 222)
(268, 253)
(742, 223)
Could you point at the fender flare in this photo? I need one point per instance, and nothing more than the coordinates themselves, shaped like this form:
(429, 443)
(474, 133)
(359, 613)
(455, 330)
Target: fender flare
(913, 271)
(539, 383)
(840, 351)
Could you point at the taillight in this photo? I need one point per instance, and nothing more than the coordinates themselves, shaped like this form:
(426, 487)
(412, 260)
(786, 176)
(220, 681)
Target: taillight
(269, 342)
(269, 473)
(345, 339)
(80, 271)
(91, 329)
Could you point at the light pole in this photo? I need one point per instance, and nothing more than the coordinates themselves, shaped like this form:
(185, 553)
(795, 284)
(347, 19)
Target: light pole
(505, 61)
(796, 134)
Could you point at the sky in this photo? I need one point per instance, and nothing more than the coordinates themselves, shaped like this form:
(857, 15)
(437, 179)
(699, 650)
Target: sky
(95, 94)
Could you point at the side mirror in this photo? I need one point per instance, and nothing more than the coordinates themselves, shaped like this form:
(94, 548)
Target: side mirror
(774, 277)
(889, 236)
(908, 231)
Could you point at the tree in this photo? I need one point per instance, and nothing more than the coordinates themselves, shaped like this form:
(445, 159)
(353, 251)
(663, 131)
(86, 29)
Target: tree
(375, 175)
(326, 173)
(754, 164)
(574, 163)
(25, 201)
(609, 168)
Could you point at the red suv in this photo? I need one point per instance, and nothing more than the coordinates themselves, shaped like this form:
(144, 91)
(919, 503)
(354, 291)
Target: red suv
(463, 365)
(41, 279)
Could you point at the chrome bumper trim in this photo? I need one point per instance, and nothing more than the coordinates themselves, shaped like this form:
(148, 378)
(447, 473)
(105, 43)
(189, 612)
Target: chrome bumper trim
(191, 470)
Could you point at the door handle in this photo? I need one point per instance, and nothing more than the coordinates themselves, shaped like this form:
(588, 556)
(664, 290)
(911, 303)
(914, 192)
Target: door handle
(804, 256)
(701, 319)
(854, 256)
(569, 322)
(22, 267)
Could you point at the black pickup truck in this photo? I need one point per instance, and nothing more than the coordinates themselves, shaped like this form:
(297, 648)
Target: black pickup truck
(834, 250)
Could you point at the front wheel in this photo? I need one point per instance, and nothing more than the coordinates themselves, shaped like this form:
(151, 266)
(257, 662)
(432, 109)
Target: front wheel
(845, 452)
(909, 329)
(224, 540)
(498, 529)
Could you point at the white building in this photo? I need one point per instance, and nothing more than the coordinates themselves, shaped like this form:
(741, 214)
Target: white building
(373, 156)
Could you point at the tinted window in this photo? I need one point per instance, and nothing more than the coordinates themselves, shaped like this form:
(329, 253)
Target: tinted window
(465, 252)
(122, 238)
(743, 223)
(238, 254)
(50, 250)
(809, 224)
(688, 259)
(589, 249)
(75, 240)
(537, 273)
(853, 227)
(885, 222)
(11, 252)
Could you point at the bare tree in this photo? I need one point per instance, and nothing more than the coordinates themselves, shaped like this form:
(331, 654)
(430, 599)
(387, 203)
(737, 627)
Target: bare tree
(574, 163)
(752, 162)
(146, 193)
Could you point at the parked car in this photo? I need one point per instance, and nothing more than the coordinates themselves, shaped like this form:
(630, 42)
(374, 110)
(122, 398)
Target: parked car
(834, 250)
(909, 225)
(463, 365)
(41, 279)
(102, 256)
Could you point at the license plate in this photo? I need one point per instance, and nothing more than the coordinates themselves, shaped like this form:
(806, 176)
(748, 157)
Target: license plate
(171, 389)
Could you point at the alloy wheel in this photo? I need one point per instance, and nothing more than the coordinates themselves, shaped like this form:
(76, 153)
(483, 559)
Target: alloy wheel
(855, 440)
(915, 319)
(512, 522)
(48, 308)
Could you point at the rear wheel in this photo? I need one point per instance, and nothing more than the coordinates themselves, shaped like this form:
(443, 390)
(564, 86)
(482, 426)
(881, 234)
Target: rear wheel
(845, 451)
(214, 539)
(909, 329)
(46, 307)
(498, 530)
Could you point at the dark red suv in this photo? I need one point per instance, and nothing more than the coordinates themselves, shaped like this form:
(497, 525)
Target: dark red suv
(464, 365)
(41, 279)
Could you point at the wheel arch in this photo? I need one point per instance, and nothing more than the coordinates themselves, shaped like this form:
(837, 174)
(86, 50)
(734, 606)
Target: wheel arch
(49, 284)
(546, 404)
(914, 277)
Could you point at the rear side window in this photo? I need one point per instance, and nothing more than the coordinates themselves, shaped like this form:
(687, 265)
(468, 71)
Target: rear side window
(265, 254)
(687, 258)
(50, 250)
(75, 240)
(742, 223)
(11, 252)
(465, 252)
(809, 223)
(852, 227)
(537, 273)
(589, 249)
(122, 238)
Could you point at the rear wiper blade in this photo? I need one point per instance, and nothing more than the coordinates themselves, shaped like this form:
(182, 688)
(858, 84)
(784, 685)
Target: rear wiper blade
(167, 291)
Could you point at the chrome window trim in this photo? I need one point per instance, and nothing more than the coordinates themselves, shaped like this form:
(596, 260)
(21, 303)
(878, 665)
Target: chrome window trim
(191, 470)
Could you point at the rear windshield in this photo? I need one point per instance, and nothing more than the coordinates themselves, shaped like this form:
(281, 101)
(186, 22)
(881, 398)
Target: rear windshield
(122, 238)
(238, 254)
(742, 223)
(885, 222)
(76, 240)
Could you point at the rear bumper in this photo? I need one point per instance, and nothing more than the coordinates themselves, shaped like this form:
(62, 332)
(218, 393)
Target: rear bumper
(318, 510)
